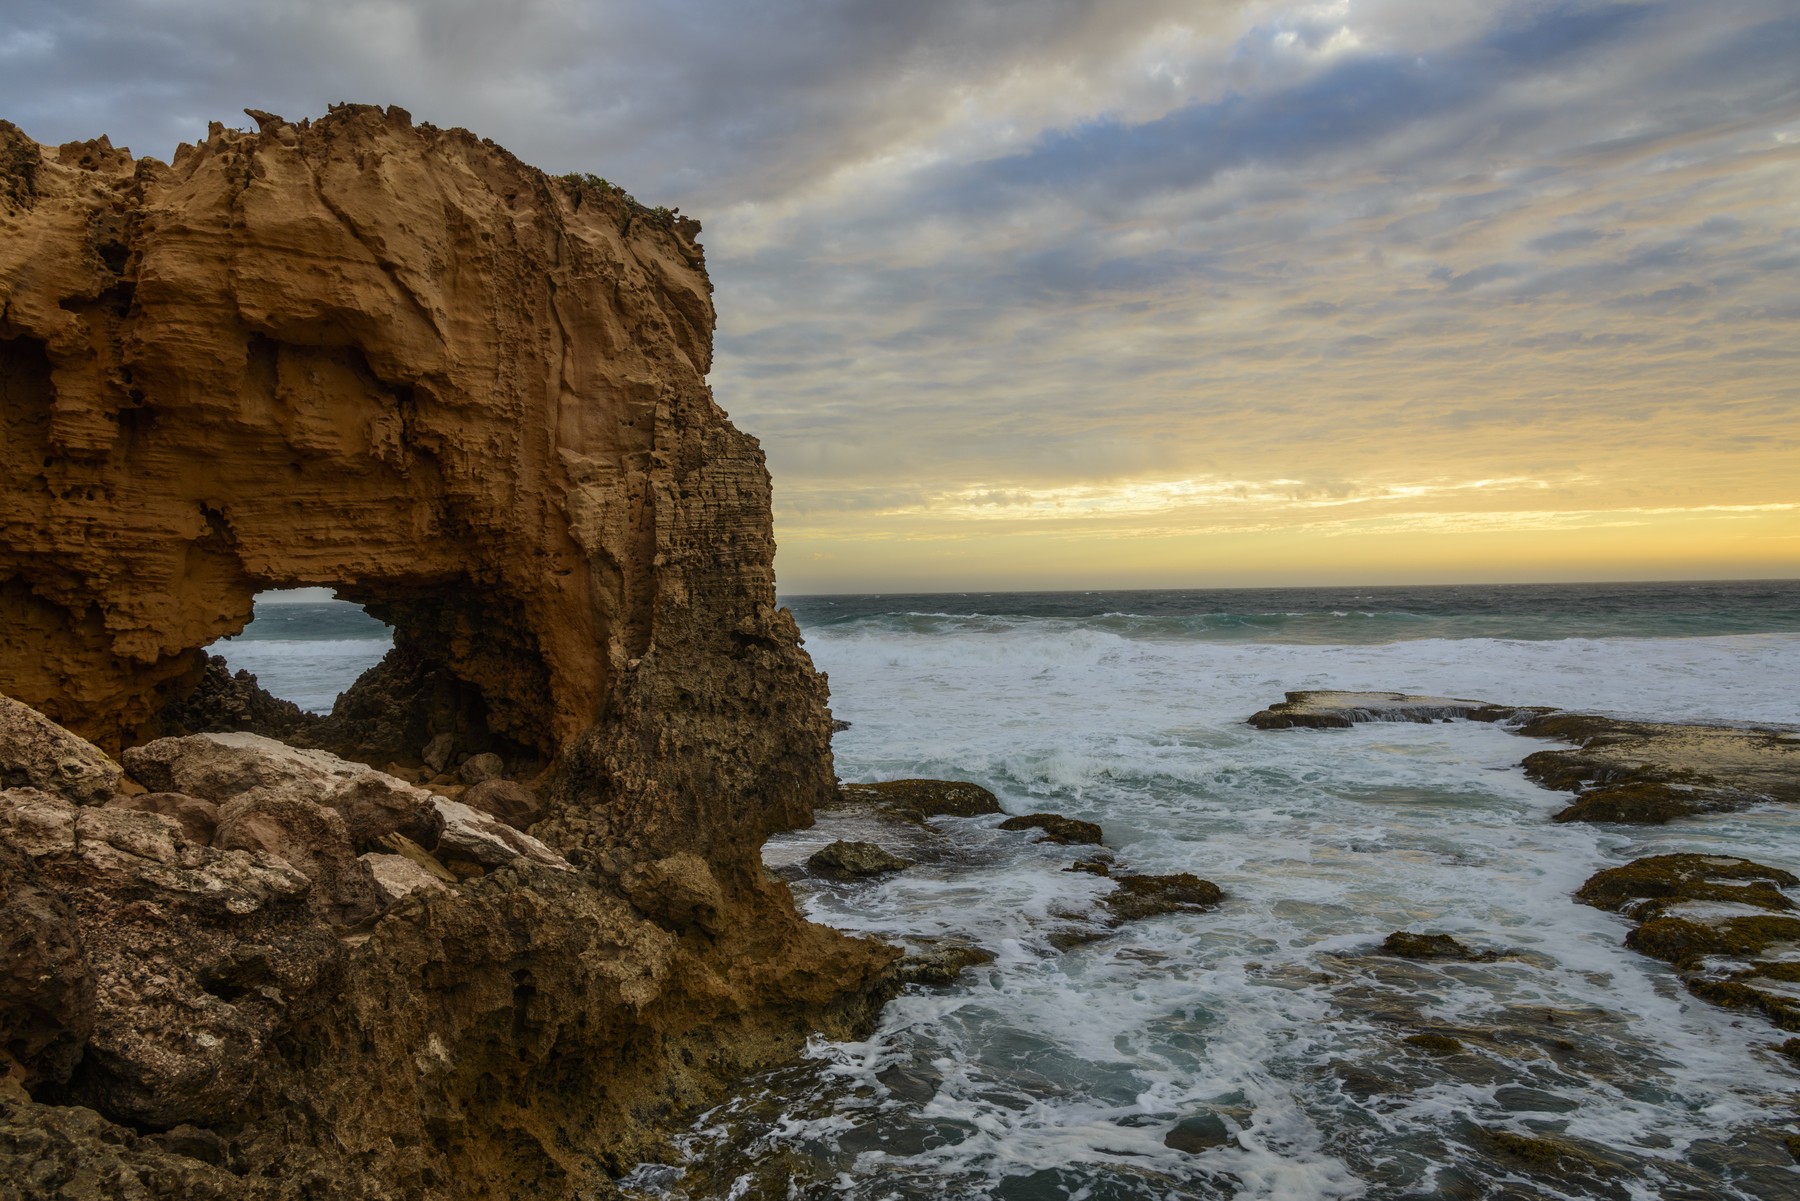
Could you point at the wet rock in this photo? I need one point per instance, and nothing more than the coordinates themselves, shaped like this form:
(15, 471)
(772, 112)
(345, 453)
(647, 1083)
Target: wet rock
(478, 768)
(1654, 772)
(920, 799)
(397, 875)
(1434, 1044)
(35, 752)
(844, 860)
(913, 1082)
(1093, 867)
(1563, 1156)
(1200, 1132)
(939, 964)
(473, 837)
(507, 800)
(1721, 921)
(198, 819)
(375, 804)
(1068, 831)
(1330, 710)
(1146, 896)
(1649, 886)
(838, 726)
(310, 837)
(1432, 946)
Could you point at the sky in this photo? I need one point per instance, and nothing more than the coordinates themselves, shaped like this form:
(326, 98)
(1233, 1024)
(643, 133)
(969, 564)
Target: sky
(1053, 294)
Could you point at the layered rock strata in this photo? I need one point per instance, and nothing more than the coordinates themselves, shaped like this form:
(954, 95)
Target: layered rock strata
(395, 361)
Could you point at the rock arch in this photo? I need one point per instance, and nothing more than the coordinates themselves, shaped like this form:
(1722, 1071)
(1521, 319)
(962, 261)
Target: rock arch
(394, 360)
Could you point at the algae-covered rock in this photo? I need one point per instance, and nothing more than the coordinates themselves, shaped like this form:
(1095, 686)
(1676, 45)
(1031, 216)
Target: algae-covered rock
(940, 963)
(920, 799)
(1068, 831)
(844, 860)
(1647, 887)
(1434, 1044)
(1722, 922)
(1147, 896)
(1432, 946)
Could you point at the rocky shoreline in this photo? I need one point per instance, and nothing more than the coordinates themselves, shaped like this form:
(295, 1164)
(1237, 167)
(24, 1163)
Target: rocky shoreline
(368, 354)
(1724, 923)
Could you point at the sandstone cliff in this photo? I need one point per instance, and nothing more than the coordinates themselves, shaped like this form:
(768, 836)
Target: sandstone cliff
(393, 360)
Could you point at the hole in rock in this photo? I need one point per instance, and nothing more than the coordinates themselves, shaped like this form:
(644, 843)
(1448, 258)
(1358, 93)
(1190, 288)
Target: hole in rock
(306, 646)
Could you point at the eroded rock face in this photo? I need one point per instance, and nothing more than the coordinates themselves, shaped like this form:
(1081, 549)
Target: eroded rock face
(392, 360)
(395, 360)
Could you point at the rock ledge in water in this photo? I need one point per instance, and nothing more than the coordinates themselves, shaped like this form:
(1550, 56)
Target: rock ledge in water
(1068, 831)
(1331, 710)
(1722, 922)
(843, 860)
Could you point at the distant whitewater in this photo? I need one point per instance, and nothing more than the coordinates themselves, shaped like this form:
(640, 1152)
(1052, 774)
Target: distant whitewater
(1055, 1074)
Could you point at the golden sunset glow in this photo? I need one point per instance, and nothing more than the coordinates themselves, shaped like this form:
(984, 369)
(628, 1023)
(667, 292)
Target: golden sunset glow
(1162, 293)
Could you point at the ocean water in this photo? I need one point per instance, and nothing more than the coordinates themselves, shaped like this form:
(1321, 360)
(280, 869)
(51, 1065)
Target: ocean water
(304, 649)
(1058, 1073)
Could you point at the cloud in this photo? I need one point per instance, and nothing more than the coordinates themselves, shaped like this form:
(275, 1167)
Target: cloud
(980, 257)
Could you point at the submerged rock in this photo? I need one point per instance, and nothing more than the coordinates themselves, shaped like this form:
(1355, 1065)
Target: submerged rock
(1200, 1132)
(844, 860)
(939, 963)
(920, 799)
(1327, 710)
(1068, 831)
(1432, 946)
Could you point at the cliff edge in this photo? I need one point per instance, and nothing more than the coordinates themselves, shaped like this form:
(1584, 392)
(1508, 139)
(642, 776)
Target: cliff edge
(393, 360)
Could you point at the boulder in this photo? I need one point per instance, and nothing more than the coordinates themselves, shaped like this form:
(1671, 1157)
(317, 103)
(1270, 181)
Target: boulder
(35, 752)
(844, 860)
(198, 819)
(1068, 831)
(678, 892)
(477, 768)
(218, 767)
(311, 838)
(195, 955)
(436, 753)
(473, 837)
(397, 875)
(507, 800)
(375, 804)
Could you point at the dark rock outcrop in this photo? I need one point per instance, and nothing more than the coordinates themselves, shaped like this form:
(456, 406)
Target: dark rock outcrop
(1069, 831)
(1722, 922)
(843, 860)
(921, 799)
(1406, 945)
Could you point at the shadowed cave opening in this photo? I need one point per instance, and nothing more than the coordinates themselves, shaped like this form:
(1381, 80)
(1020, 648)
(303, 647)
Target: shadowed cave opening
(370, 681)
